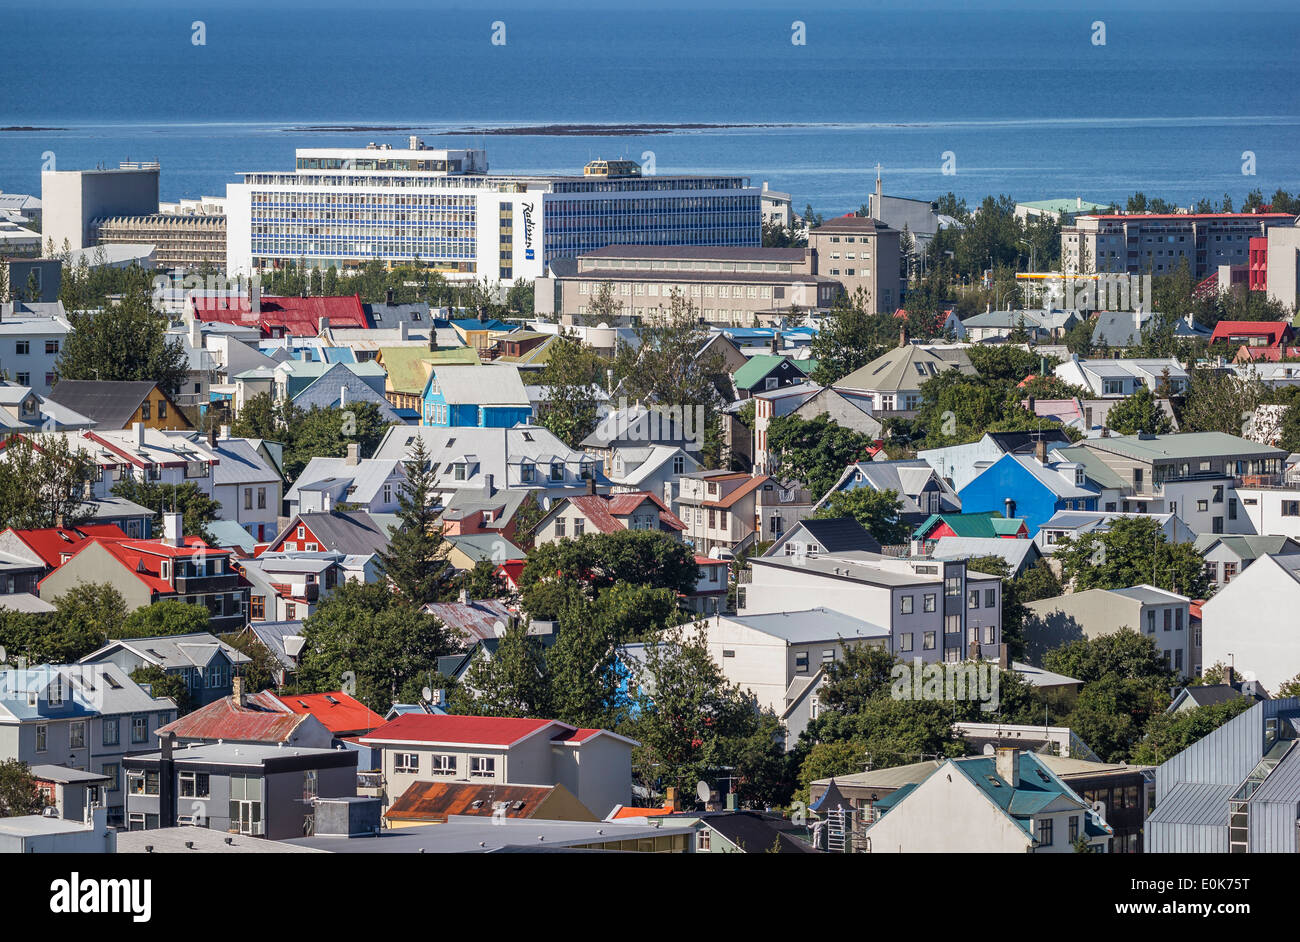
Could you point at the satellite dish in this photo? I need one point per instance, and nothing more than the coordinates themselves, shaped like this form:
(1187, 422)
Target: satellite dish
(499, 629)
(989, 749)
(703, 792)
(427, 695)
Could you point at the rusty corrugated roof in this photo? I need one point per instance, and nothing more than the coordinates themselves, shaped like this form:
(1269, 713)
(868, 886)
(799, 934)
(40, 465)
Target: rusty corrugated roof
(431, 802)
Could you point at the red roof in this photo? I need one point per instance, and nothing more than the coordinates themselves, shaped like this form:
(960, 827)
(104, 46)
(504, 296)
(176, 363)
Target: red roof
(603, 512)
(224, 719)
(51, 543)
(463, 730)
(143, 558)
(1268, 354)
(296, 317)
(339, 712)
(1273, 330)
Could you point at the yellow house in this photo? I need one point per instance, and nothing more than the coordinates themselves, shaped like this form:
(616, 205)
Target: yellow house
(119, 404)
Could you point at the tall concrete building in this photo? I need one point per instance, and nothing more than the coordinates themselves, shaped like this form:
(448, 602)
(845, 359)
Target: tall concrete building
(73, 200)
(442, 209)
(179, 240)
(1157, 243)
(860, 252)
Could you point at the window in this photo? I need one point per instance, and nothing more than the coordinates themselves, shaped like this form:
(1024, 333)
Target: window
(258, 608)
(162, 408)
(482, 767)
(139, 729)
(929, 601)
(990, 598)
(973, 598)
(1074, 828)
(109, 771)
(145, 410)
(1151, 622)
(442, 765)
(195, 785)
(302, 533)
(905, 604)
(1291, 508)
(261, 498)
(23, 347)
(408, 762)
(927, 643)
(111, 731)
(952, 586)
(51, 346)
(1169, 618)
(801, 662)
(248, 498)
(559, 526)
(1045, 832)
(42, 737)
(828, 657)
(579, 526)
(1229, 571)
(142, 782)
(77, 735)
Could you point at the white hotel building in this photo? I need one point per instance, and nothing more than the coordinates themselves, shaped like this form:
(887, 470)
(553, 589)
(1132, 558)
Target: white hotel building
(442, 209)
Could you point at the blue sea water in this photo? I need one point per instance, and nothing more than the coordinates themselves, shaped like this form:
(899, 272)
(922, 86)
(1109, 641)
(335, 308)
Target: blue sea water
(1023, 100)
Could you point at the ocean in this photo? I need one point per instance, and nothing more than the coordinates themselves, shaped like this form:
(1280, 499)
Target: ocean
(1017, 102)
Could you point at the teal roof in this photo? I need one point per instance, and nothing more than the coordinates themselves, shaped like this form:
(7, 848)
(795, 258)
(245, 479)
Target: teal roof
(988, 524)
(1064, 205)
(1038, 787)
(758, 367)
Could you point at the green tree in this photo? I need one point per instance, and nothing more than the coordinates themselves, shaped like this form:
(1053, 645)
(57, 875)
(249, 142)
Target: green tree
(879, 512)
(851, 337)
(163, 684)
(1139, 412)
(1289, 688)
(126, 341)
(815, 451)
(513, 680)
(367, 641)
(327, 433)
(1132, 552)
(415, 560)
(263, 666)
(1216, 401)
(1168, 734)
(596, 561)
(572, 372)
(43, 482)
(18, 792)
(196, 508)
(169, 617)
(92, 611)
(483, 582)
(264, 416)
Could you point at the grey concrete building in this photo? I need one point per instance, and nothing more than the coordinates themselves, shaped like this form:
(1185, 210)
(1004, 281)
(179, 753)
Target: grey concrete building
(259, 790)
(1162, 616)
(78, 716)
(860, 252)
(73, 200)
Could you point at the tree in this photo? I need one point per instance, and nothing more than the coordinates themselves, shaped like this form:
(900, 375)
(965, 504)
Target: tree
(879, 512)
(263, 666)
(371, 643)
(851, 337)
(1168, 734)
(1216, 402)
(1289, 688)
(126, 341)
(415, 561)
(93, 611)
(18, 792)
(695, 726)
(572, 374)
(196, 508)
(169, 617)
(264, 416)
(1132, 552)
(327, 433)
(163, 684)
(604, 306)
(1139, 412)
(43, 483)
(862, 673)
(815, 451)
(594, 562)
(513, 680)
(483, 581)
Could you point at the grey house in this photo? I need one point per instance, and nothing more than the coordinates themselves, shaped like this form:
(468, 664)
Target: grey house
(83, 717)
(206, 663)
(263, 791)
(1234, 791)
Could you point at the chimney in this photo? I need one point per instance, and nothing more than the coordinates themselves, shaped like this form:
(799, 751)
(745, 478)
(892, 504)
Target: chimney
(591, 484)
(775, 335)
(1007, 762)
(1230, 676)
(1010, 508)
(879, 195)
(354, 454)
(388, 296)
(1040, 451)
(166, 783)
(212, 437)
(225, 432)
(172, 529)
(138, 429)
(670, 793)
(324, 325)
(237, 689)
(1004, 656)
(403, 330)
(902, 334)
(1078, 202)
(489, 482)
(343, 396)
(196, 332)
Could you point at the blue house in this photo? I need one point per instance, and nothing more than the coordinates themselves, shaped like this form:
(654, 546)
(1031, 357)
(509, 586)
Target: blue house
(1022, 486)
(486, 396)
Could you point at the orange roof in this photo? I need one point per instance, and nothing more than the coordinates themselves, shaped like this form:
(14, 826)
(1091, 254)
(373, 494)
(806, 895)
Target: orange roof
(433, 801)
(749, 487)
(641, 812)
(337, 711)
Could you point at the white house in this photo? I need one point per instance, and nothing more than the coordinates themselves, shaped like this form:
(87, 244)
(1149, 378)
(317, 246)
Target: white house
(1251, 622)
(371, 484)
(1107, 378)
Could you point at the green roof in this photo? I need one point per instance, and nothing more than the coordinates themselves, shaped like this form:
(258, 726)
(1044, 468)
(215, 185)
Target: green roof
(1096, 470)
(1183, 445)
(756, 368)
(990, 523)
(405, 365)
(1064, 205)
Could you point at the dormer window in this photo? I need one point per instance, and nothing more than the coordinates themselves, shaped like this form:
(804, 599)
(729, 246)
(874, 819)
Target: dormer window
(557, 471)
(165, 569)
(526, 472)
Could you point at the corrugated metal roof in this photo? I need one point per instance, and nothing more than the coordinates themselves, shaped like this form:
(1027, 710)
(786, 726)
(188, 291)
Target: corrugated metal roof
(1194, 804)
